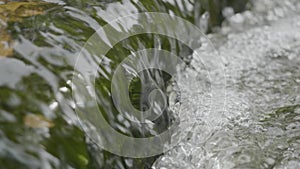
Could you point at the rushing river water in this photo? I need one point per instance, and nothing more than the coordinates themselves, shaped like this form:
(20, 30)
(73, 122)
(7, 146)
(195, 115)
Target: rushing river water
(259, 126)
(255, 125)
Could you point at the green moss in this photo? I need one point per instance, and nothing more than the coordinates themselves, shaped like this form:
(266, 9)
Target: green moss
(47, 42)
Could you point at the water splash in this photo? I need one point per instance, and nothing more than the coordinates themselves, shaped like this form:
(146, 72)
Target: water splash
(259, 127)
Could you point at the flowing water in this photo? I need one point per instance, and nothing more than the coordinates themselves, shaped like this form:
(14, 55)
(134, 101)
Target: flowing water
(255, 126)
(259, 125)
